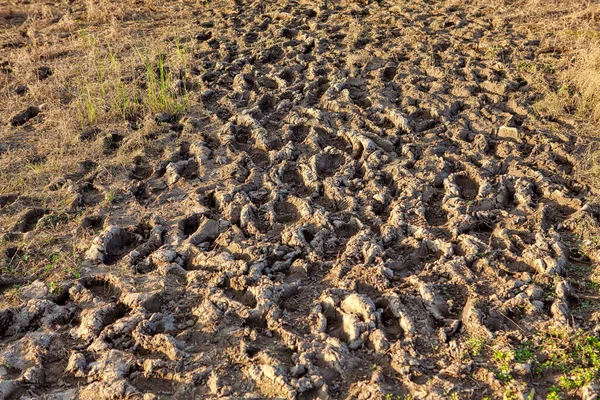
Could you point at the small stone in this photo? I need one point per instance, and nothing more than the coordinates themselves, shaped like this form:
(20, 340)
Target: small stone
(522, 368)
(35, 290)
(35, 376)
(506, 132)
(539, 305)
(590, 392)
(206, 232)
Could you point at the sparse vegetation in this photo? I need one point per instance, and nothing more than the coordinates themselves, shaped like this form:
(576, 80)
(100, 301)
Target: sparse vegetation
(476, 345)
(127, 86)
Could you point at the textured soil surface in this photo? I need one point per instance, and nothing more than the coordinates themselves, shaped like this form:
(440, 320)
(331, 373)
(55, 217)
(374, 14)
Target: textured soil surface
(362, 191)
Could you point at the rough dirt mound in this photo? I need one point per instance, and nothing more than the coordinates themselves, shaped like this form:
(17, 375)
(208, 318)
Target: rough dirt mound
(354, 204)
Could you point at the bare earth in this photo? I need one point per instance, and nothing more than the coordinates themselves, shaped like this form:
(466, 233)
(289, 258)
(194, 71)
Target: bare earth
(358, 201)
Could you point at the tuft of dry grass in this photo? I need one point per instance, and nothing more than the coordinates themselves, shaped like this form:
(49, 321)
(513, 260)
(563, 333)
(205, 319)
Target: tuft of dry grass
(115, 65)
(571, 29)
(585, 75)
(566, 69)
(569, 76)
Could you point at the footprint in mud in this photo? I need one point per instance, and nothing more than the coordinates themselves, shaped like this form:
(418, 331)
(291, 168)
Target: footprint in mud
(189, 170)
(89, 133)
(316, 90)
(285, 212)
(335, 322)
(469, 188)
(563, 163)
(244, 297)
(101, 288)
(390, 324)
(359, 98)
(207, 199)
(328, 164)
(288, 75)
(259, 157)
(388, 73)
(330, 204)
(93, 222)
(114, 243)
(290, 176)
(250, 37)
(189, 225)
(120, 247)
(140, 171)
(89, 195)
(242, 134)
(204, 36)
(112, 142)
(346, 228)
(325, 139)
(268, 83)
(434, 214)
(206, 233)
(8, 199)
(24, 116)
(554, 214)
(139, 191)
(483, 230)
(266, 104)
(29, 219)
(186, 169)
(297, 133)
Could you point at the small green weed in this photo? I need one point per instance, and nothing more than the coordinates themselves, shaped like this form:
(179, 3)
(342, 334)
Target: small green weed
(475, 345)
(504, 373)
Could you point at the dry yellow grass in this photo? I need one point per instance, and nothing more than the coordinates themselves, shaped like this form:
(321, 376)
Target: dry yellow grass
(112, 63)
(571, 31)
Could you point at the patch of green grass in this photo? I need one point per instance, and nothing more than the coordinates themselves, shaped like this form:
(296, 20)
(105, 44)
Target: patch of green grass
(504, 373)
(576, 378)
(576, 357)
(526, 66)
(124, 86)
(588, 34)
(48, 268)
(588, 305)
(110, 197)
(553, 393)
(53, 286)
(502, 356)
(476, 345)
(87, 109)
(592, 286)
(160, 97)
(13, 294)
(546, 68)
(524, 352)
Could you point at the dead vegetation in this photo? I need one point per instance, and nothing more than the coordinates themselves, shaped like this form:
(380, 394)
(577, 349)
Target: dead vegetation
(90, 70)
(569, 70)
